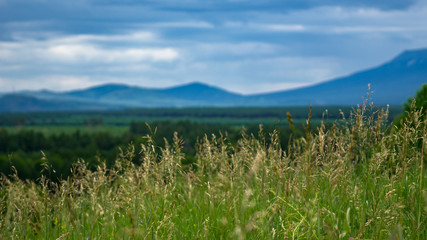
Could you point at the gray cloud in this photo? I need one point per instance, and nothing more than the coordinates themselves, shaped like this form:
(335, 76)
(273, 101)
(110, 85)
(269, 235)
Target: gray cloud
(279, 5)
(244, 46)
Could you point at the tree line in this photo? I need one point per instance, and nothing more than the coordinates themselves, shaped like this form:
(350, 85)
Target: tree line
(28, 150)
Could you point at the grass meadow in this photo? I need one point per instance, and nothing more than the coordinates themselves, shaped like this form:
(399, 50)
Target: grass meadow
(362, 178)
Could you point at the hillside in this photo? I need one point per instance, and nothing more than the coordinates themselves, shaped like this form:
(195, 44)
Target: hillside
(392, 83)
(193, 94)
(24, 103)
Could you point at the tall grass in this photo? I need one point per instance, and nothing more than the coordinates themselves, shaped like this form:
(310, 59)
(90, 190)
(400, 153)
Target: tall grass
(360, 179)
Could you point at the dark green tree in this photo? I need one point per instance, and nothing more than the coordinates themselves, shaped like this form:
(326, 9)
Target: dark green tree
(420, 100)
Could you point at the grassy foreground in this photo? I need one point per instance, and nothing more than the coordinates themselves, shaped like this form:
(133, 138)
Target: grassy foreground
(359, 179)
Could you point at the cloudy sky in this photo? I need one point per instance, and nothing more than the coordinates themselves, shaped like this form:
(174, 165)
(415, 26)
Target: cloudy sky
(244, 46)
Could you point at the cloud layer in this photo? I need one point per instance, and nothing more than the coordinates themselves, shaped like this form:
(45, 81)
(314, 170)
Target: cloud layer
(243, 46)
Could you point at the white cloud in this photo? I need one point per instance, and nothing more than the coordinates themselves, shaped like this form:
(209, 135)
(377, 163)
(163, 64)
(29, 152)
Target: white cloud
(76, 61)
(279, 27)
(163, 54)
(267, 26)
(97, 49)
(179, 24)
(45, 37)
(56, 82)
(136, 36)
(337, 20)
(71, 52)
(365, 29)
(129, 68)
(89, 53)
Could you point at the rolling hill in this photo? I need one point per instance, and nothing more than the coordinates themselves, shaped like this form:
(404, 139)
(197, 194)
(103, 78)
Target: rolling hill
(391, 83)
(193, 94)
(24, 103)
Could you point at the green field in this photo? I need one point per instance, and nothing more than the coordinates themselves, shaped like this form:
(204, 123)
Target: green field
(117, 122)
(230, 116)
(359, 179)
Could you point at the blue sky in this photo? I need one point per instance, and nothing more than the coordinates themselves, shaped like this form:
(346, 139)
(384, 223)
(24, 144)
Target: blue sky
(244, 46)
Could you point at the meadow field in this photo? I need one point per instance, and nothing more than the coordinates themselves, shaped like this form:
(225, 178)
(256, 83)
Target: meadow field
(65, 137)
(358, 178)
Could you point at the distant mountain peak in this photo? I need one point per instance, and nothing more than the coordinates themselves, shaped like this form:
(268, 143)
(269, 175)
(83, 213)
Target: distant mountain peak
(196, 83)
(198, 88)
(192, 85)
(109, 86)
(412, 56)
(99, 90)
(392, 83)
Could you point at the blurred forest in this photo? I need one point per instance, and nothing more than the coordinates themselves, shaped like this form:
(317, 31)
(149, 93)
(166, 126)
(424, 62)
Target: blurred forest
(69, 136)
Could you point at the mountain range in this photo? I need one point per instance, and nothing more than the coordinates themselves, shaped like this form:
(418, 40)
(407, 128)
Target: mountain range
(391, 83)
